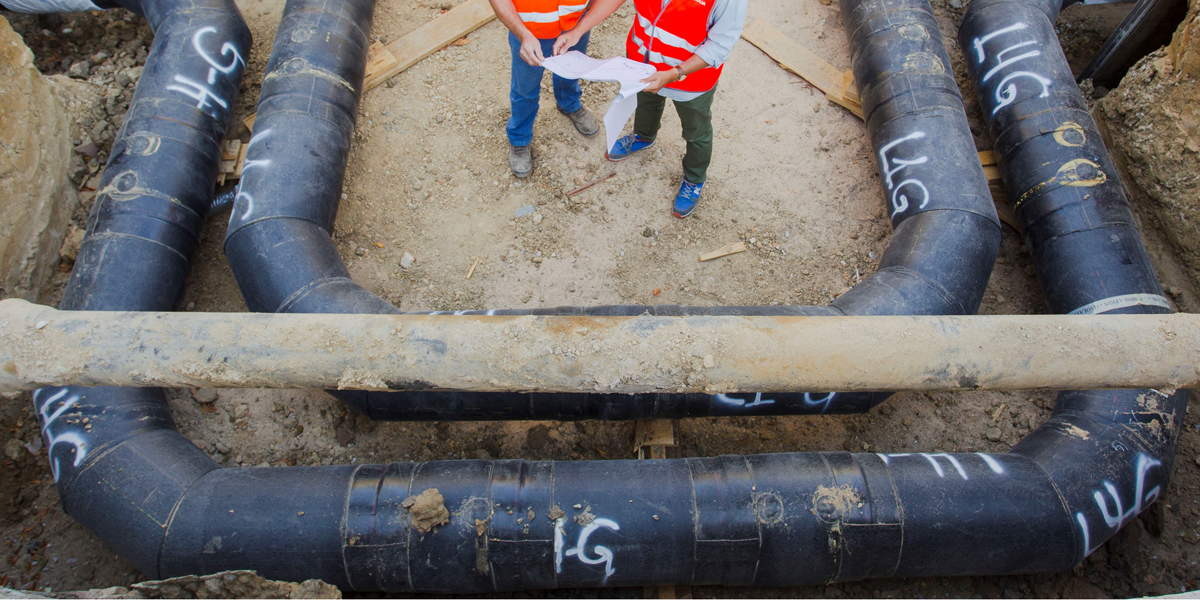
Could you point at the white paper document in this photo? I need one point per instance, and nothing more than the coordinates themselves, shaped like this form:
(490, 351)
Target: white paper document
(628, 73)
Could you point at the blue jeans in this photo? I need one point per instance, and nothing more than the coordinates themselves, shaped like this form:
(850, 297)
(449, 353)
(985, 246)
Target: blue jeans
(527, 87)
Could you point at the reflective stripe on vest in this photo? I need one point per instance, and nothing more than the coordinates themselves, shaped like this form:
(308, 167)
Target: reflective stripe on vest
(667, 36)
(547, 19)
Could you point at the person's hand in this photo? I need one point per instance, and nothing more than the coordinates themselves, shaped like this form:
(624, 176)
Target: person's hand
(565, 42)
(660, 80)
(531, 51)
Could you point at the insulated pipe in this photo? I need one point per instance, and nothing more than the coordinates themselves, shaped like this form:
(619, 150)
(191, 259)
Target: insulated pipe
(143, 229)
(1078, 226)
(780, 519)
(40, 346)
(938, 262)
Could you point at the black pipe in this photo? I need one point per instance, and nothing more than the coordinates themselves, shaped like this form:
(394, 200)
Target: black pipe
(946, 236)
(783, 519)
(116, 455)
(1079, 228)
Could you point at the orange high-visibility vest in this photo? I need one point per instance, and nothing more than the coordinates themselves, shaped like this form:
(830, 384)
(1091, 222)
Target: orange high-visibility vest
(547, 19)
(665, 37)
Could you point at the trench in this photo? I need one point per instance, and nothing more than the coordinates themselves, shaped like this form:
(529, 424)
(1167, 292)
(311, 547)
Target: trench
(125, 472)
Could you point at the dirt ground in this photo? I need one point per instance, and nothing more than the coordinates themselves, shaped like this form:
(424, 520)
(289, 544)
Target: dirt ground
(792, 176)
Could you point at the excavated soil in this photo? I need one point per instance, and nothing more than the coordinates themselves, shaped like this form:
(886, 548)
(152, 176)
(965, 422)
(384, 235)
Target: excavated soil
(792, 177)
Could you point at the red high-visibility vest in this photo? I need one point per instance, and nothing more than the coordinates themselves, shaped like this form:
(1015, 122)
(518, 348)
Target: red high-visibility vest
(665, 37)
(547, 19)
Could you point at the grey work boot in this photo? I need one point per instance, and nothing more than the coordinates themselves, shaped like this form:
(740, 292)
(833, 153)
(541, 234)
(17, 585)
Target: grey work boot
(583, 120)
(520, 160)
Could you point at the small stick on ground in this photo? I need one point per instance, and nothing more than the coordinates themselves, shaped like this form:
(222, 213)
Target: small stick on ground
(723, 251)
(472, 270)
(585, 186)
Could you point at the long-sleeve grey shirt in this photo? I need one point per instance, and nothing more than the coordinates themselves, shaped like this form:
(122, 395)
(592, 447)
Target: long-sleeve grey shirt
(724, 28)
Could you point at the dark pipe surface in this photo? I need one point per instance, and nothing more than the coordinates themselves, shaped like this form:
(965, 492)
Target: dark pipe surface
(1077, 224)
(121, 474)
(783, 519)
(945, 243)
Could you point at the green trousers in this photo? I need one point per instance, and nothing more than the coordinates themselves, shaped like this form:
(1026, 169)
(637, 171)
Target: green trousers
(696, 117)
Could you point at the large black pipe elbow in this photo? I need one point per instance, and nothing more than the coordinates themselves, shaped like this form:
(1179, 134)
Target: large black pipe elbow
(118, 460)
(1076, 221)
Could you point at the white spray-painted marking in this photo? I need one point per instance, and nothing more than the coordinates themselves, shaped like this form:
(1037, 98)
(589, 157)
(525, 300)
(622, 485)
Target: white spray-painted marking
(823, 401)
(227, 49)
(980, 55)
(952, 460)
(992, 463)
(758, 400)
(72, 438)
(243, 199)
(197, 91)
(201, 92)
(1006, 90)
(1117, 518)
(900, 201)
(603, 555)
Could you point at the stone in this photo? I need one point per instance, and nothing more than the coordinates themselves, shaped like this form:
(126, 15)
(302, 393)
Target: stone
(537, 437)
(204, 396)
(993, 434)
(344, 436)
(537, 219)
(35, 196)
(12, 449)
(406, 261)
(79, 70)
(709, 361)
(725, 133)
(525, 211)
(71, 243)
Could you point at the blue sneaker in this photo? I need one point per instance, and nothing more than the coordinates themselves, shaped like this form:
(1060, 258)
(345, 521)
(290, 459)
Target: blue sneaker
(626, 146)
(687, 198)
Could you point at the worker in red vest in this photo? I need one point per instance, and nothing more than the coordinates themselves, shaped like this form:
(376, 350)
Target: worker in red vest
(533, 26)
(688, 42)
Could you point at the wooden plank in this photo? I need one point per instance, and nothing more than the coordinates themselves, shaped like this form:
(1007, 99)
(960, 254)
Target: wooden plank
(425, 40)
(723, 251)
(793, 56)
(1003, 210)
(435, 35)
(838, 85)
(379, 61)
(241, 161)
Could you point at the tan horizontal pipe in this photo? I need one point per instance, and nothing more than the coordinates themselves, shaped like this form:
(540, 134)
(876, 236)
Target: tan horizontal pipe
(42, 346)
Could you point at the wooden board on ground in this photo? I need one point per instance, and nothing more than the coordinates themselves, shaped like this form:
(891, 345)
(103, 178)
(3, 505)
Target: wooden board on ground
(379, 61)
(433, 36)
(384, 62)
(838, 85)
(233, 160)
(723, 251)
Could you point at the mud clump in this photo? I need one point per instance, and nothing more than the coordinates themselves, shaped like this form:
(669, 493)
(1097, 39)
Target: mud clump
(427, 510)
(228, 584)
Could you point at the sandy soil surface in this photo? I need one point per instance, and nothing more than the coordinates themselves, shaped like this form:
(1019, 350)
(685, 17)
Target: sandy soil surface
(792, 176)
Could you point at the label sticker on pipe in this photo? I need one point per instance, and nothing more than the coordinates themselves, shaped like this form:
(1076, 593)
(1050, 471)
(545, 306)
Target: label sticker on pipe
(1116, 302)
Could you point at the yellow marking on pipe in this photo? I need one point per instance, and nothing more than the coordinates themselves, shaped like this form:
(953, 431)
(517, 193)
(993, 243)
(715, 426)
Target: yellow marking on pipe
(1068, 174)
(1061, 137)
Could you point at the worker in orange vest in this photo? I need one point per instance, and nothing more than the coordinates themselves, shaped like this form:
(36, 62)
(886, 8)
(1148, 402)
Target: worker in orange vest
(688, 42)
(533, 27)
